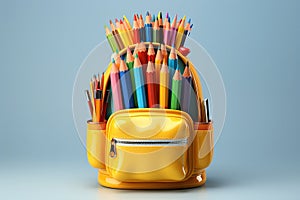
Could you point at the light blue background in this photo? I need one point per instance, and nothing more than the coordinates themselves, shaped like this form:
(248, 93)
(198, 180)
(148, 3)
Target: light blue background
(255, 44)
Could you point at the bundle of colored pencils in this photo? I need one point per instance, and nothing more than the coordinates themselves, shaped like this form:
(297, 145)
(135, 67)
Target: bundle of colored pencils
(150, 78)
(97, 99)
(153, 29)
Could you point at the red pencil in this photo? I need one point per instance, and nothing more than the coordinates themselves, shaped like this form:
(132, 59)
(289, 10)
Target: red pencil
(136, 31)
(151, 91)
(142, 53)
(151, 53)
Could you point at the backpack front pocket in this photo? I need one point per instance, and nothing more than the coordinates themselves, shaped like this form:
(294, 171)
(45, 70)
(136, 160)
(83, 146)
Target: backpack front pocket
(155, 152)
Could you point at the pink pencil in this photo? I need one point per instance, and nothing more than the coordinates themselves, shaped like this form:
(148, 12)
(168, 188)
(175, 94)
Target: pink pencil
(115, 85)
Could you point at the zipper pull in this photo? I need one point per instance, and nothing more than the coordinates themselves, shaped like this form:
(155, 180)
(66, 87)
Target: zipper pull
(113, 152)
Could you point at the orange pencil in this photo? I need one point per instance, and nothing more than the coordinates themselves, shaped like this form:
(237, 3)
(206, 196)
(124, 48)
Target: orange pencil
(164, 52)
(158, 61)
(151, 91)
(98, 98)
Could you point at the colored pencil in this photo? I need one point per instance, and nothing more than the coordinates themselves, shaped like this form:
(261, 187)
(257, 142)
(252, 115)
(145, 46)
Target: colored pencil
(167, 33)
(156, 33)
(152, 21)
(128, 28)
(122, 33)
(115, 85)
(148, 28)
(111, 40)
(98, 98)
(116, 56)
(186, 30)
(127, 32)
(151, 84)
(129, 63)
(88, 99)
(92, 98)
(186, 89)
(173, 31)
(180, 33)
(129, 59)
(104, 107)
(126, 86)
(143, 56)
(139, 83)
(172, 63)
(190, 29)
(102, 81)
(164, 86)
(158, 61)
(161, 28)
(127, 22)
(164, 52)
(116, 35)
(142, 29)
(142, 53)
(136, 31)
(166, 20)
(151, 53)
(176, 90)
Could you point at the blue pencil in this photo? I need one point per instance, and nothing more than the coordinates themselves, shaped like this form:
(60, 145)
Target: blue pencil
(173, 61)
(139, 83)
(128, 97)
(148, 28)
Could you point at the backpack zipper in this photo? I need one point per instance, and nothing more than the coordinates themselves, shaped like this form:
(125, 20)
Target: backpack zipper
(150, 143)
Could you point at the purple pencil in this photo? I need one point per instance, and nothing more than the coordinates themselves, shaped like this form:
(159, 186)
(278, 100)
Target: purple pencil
(186, 89)
(173, 31)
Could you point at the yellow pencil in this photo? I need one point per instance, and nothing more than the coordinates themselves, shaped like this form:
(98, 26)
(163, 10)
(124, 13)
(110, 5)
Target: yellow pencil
(180, 33)
(163, 87)
(128, 27)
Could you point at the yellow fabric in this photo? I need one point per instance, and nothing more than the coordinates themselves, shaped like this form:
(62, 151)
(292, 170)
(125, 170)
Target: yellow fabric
(149, 163)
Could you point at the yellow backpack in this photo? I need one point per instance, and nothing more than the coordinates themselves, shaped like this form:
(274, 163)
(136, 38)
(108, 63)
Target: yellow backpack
(152, 148)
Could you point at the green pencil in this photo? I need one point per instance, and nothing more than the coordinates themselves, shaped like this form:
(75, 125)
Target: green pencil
(176, 90)
(111, 40)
